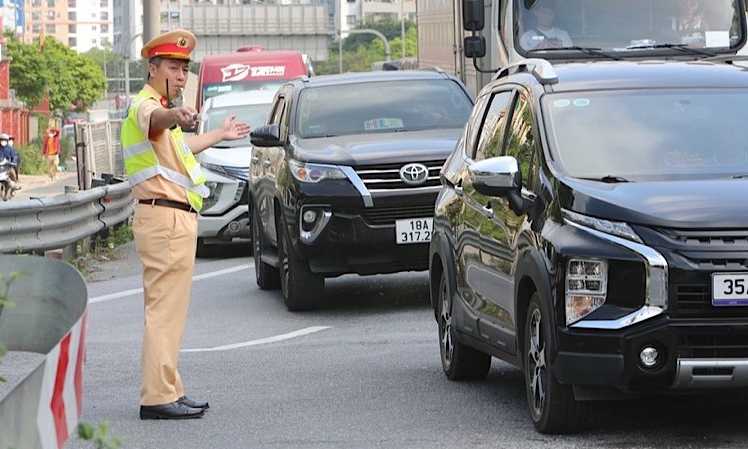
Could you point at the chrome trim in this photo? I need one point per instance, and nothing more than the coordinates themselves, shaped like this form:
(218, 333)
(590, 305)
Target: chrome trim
(311, 236)
(656, 288)
(637, 316)
(358, 184)
(411, 190)
(685, 378)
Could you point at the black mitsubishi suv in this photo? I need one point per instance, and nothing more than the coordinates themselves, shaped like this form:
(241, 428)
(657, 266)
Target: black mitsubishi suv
(592, 229)
(344, 175)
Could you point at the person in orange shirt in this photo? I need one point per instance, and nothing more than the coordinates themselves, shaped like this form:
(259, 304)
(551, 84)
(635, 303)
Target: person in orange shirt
(51, 151)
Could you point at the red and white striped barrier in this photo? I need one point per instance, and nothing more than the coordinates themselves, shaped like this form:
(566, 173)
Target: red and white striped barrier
(43, 410)
(61, 398)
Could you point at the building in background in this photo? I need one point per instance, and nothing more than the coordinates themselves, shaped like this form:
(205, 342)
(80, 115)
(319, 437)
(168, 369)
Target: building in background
(128, 27)
(12, 15)
(79, 24)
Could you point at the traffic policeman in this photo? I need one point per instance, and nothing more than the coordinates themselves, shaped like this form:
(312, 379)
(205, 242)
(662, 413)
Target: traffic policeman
(169, 188)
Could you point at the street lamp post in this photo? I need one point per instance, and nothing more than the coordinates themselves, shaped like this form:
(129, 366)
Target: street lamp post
(127, 66)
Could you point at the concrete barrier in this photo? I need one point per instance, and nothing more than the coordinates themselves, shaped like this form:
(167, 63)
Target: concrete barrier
(51, 299)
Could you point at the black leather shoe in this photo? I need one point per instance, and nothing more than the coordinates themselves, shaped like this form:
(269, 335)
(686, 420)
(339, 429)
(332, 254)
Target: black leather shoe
(184, 400)
(173, 410)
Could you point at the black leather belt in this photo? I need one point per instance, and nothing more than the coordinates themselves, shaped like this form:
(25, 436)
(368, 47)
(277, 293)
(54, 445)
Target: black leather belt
(168, 203)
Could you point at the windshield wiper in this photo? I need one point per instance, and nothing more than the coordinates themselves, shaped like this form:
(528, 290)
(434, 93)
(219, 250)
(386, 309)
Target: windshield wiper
(609, 179)
(588, 50)
(683, 48)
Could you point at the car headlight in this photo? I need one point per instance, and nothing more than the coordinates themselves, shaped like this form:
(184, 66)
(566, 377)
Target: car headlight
(306, 172)
(586, 287)
(215, 193)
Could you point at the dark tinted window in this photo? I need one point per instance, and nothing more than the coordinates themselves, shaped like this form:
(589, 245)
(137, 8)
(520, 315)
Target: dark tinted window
(492, 132)
(521, 140)
(382, 107)
(650, 134)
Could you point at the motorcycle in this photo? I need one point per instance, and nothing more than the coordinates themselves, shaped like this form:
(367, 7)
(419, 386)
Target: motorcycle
(6, 184)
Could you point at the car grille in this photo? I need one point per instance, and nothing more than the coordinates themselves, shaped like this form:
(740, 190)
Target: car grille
(702, 252)
(706, 346)
(387, 176)
(388, 215)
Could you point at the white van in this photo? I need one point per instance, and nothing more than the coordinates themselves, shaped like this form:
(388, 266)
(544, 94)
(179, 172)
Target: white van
(225, 213)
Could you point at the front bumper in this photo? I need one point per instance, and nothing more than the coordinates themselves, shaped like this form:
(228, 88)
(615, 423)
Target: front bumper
(348, 237)
(693, 355)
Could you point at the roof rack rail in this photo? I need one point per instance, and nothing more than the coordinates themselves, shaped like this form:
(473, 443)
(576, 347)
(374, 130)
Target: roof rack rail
(541, 69)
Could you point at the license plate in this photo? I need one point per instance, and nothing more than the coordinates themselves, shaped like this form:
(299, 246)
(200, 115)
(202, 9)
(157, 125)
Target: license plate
(730, 289)
(413, 230)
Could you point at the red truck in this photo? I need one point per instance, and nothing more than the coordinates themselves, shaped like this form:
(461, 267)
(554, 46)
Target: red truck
(248, 68)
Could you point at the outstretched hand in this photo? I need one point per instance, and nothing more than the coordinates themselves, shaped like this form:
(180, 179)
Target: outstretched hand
(232, 130)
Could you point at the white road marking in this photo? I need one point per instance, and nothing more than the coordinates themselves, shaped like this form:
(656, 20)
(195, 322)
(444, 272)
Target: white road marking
(262, 341)
(138, 291)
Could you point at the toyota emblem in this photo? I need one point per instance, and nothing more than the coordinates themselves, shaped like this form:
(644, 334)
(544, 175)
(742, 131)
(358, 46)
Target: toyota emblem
(414, 174)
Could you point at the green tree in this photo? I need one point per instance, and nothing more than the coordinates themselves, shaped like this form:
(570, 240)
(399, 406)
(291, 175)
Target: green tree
(365, 48)
(70, 79)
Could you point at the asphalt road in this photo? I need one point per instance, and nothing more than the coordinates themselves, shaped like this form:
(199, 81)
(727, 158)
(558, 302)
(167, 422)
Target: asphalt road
(362, 372)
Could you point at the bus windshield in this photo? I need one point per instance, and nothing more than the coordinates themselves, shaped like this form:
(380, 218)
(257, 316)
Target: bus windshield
(551, 28)
(213, 89)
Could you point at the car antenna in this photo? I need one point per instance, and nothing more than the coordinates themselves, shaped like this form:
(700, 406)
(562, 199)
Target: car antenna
(169, 103)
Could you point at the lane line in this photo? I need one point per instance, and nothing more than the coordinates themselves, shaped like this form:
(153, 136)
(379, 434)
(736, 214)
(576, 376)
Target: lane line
(262, 341)
(138, 291)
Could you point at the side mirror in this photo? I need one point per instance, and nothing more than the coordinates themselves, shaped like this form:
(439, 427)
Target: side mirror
(266, 136)
(473, 15)
(474, 47)
(500, 177)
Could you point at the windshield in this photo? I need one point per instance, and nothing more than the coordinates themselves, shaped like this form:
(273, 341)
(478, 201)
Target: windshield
(253, 114)
(647, 135)
(382, 107)
(213, 89)
(546, 26)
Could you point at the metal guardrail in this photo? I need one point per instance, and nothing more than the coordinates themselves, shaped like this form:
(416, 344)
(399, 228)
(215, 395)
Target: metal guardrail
(56, 222)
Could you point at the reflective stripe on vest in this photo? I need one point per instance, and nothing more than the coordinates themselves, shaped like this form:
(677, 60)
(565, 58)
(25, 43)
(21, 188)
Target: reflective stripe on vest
(141, 161)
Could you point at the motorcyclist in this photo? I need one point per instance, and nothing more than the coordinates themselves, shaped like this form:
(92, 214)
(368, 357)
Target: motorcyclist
(8, 152)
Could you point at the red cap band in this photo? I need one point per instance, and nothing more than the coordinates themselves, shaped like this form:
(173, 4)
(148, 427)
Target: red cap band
(169, 51)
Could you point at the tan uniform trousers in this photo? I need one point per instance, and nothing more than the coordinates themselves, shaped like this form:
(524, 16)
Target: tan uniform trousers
(166, 240)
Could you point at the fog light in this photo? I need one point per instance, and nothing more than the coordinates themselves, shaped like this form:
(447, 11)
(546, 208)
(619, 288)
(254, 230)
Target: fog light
(309, 216)
(649, 357)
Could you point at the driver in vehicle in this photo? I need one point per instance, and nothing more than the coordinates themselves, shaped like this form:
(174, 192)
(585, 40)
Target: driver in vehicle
(544, 35)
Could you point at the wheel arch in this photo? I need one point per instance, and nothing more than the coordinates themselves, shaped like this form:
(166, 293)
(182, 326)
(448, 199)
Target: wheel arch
(441, 262)
(531, 277)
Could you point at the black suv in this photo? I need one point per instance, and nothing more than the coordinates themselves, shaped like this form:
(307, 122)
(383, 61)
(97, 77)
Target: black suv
(344, 176)
(592, 229)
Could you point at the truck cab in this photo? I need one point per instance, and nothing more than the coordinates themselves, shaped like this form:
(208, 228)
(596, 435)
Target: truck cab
(476, 38)
(608, 29)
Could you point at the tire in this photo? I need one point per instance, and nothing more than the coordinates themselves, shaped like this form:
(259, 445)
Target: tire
(552, 405)
(267, 276)
(204, 250)
(302, 289)
(459, 362)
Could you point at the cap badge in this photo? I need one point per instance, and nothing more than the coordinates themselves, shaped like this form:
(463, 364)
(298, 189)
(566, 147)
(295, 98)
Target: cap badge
(182, 42)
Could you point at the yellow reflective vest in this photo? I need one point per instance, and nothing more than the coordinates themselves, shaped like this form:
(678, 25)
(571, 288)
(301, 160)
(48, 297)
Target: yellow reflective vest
(141, 161)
